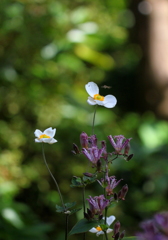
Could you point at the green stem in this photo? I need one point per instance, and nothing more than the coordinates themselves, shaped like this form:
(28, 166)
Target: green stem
(105, 218)
(105, 213)
(84, 208)
(83, 198)
(66, 227)
(59, 192)
(113, 159)
(106, 237)
(94, 115)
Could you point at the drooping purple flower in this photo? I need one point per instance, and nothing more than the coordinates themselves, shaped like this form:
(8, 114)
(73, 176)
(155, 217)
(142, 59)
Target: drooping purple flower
(149, 231)
(97, 204)
(93, 154)
(119, 143)
(161, 222)
(109, 183)
(155, 229)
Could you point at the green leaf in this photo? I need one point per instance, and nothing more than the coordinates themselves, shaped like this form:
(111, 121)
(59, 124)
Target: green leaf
(112, 204)
(59, 208)
(84, 226)
(67, 206)
(89, 180)
(130, 238)
(70, 205)
(76, 182)
(75, 210)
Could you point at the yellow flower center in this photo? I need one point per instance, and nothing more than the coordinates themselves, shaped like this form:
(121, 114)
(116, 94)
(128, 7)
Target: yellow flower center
(43, 136)
(99, 228)
(98, 97)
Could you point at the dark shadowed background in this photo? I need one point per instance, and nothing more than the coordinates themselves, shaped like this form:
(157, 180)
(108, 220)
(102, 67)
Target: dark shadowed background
(49, 50)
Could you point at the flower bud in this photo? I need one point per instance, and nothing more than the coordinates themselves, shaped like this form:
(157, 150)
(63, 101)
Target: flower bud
(122, 234)
(126, 149)
(116, 228)
(99, 165)
(75, 149)
(115, 196)
(116, 237)
(84, 140)
(88, 174)
(100, 217)
(122, 193)
(129, 157)
(89, 215)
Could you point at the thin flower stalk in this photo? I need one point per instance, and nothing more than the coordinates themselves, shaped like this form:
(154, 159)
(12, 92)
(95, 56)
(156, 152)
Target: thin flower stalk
(94, 116)
(57, 186)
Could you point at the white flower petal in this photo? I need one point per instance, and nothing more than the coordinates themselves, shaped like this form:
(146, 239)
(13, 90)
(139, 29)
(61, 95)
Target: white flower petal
(38, 133)
(110, 220)
(109, 230)
(52, 140)
(93, 230)
(99, 233)
(109, 101)
(91, 101)
(38, 140)
(92, 88)
(50, 132)
(46, 140)
(101, 103)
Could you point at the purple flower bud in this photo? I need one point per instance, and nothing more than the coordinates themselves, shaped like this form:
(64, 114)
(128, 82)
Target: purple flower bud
(127, 148)
(115, 196)
(116, 228)
(129, 157)
(75, 149)
(122, 193)
(84, 140)
(99, 165)
(122, 234)
(116, 237)
(88, 174)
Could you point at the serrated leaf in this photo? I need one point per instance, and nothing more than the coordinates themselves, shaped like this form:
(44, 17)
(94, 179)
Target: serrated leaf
(76, 182)
(130, 238)
(59, 208)
(89, 180)
(84, 226)
(70, 205)
(75, 210)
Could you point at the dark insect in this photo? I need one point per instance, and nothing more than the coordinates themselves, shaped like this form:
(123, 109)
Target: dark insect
(106, 87)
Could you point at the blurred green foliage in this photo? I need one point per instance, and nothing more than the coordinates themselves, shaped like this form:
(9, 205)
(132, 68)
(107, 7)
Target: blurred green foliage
(48, 51)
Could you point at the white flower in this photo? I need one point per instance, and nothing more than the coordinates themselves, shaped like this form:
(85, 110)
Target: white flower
(92, 89)
(98, 229)
(47, 136)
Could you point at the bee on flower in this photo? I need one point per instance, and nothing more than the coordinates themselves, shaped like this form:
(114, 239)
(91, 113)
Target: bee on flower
(108, 101)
